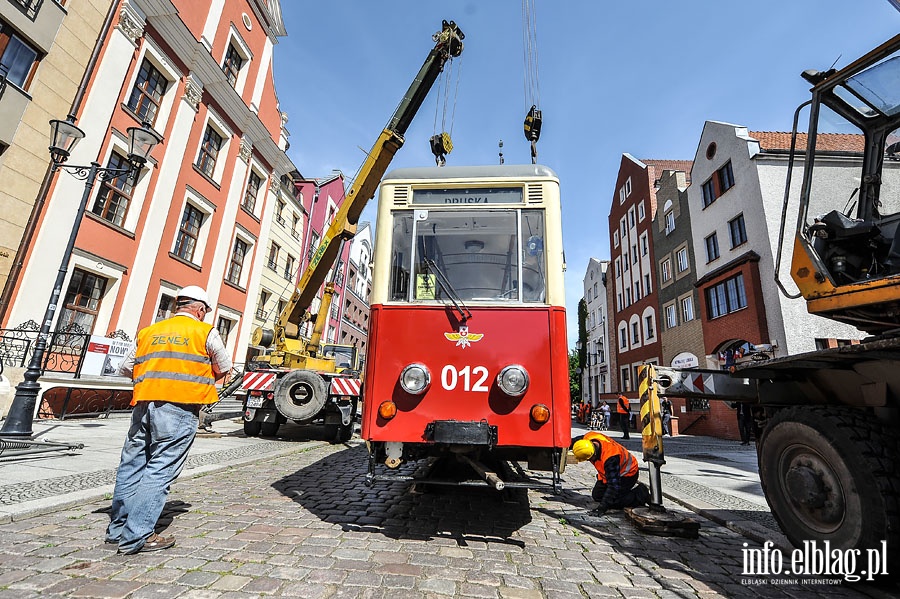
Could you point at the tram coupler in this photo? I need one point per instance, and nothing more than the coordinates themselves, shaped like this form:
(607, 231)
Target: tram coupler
(489, 477)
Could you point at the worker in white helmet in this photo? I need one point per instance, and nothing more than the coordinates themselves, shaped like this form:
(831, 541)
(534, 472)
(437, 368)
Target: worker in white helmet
(174, 366)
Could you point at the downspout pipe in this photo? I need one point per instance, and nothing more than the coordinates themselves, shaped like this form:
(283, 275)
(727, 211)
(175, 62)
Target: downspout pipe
(38, 207)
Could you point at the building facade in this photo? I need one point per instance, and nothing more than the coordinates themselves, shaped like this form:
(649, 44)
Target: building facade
(200, 74)
(595, 375)
(354, 329)
(45, 49)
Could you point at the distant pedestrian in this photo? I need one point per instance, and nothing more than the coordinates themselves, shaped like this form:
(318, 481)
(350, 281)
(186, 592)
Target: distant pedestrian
(617, 483)
(665, 407)
(605, 414)
(745, 421)
(174, 366)
(623, 408)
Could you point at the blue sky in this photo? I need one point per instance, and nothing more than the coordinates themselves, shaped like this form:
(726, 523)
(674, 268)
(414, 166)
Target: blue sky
(639, 76)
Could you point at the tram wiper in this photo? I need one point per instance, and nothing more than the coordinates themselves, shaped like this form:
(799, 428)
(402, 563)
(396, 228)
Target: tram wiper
(444, 282)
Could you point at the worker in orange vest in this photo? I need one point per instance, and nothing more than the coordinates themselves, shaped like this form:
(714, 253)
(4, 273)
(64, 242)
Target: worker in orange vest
(624, 410)
(617, 483)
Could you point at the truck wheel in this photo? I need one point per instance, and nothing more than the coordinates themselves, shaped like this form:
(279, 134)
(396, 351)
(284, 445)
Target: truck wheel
(829, 474)
(345, 433)
(269, 429)
(300, 394)
(252, 428)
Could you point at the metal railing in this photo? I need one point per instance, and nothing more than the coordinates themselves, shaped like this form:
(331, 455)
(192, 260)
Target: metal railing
(29, 8)
(66, 347)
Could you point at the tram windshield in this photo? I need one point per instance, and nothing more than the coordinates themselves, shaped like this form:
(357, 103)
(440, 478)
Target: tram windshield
(486, 255)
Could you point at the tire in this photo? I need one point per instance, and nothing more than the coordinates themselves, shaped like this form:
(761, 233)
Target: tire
(345, 433)
(252, 428)
(269, 429)
(830, 474)
(300, 394)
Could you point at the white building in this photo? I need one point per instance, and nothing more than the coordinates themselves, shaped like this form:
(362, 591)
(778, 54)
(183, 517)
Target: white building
(596, 369)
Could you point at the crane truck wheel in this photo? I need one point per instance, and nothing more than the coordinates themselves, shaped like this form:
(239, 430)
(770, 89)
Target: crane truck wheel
(829, 474)
(252, 428)
(300, 394)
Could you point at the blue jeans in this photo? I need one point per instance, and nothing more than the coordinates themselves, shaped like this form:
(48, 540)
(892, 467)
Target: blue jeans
(154, 454)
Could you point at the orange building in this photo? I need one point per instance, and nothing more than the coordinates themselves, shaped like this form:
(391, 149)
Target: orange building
(200, 73)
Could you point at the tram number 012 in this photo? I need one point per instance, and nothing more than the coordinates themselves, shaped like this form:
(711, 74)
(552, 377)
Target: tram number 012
(472, 378)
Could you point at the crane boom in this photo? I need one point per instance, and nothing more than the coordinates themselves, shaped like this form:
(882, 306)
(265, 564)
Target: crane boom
(448, 44)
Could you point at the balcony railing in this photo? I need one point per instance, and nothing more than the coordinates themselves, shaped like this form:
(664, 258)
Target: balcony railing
(272, 265)
(280, 220)
(29, 8)
(295, 234)
(262, 314)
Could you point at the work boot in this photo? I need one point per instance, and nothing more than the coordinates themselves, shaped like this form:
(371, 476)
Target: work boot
(156, 542)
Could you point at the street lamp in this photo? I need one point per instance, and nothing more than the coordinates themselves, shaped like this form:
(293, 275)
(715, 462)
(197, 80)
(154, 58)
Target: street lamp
(64, 136)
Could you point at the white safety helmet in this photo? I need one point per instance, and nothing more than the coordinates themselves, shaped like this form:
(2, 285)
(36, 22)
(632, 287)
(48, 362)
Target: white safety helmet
(195, 293)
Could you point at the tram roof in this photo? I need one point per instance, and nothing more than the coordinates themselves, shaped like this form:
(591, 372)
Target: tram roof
(514, 171)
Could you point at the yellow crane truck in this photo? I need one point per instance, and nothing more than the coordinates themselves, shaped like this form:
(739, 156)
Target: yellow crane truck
(297, 378)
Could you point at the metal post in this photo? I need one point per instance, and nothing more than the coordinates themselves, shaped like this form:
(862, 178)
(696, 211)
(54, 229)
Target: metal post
(21, 412)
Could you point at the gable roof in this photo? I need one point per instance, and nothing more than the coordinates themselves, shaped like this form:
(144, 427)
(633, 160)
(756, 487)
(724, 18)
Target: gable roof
(659, 166)
(825, 142)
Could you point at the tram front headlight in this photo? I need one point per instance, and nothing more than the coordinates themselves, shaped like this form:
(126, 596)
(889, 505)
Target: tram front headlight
(415, 379)
(513, 380)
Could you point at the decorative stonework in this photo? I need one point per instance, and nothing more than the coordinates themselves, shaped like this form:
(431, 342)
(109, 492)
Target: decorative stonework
(193, 91)
(130, 23)
(246, 149)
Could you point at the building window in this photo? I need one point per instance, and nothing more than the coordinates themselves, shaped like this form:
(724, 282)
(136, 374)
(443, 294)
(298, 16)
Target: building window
(627, 187)
(295, 227)
(618, 268)
(626, 380)
(641, 212)
(232, 65)
(188, 233)
(687, 309)
(635, 333)
(631, 217)
(82, 301)
(649, 328)
(715, 186)
(209, 151)
(670, 222)
(681, 259)
(712, 247)
(272, 261)
(623, 337)
(726, 297)
(625, 261)
(615, 239)
(708, 191)
(224, 326)
(671, 317)
(18, 58)
(634, 254)
(279, 212)
(621, 195)
(237, 261)
(289, 268)
(726, 178)
(114, 196)
(666, 270)
(637, 291)
(147, 92)
(648, 288)
(619, 301)
(165, 308)
(627, 297)
(253, 183)
(645, 244)
(738, 231)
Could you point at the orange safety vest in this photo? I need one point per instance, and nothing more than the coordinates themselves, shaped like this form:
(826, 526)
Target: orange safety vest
(624, 406)
(609, 448)
(171, 363)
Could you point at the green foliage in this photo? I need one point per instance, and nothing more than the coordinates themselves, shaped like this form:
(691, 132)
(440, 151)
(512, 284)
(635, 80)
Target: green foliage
(574, 377)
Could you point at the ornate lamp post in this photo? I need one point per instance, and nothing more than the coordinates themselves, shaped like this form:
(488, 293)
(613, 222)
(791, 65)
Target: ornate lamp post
(65, 135)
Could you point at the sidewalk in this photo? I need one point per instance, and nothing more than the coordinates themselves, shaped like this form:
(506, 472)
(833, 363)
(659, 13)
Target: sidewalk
(41, 483)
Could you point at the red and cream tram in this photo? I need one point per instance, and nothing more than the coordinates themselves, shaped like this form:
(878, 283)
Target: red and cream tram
(467, 352)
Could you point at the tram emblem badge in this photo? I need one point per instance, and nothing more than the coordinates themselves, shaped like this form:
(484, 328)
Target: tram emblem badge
(464, 338)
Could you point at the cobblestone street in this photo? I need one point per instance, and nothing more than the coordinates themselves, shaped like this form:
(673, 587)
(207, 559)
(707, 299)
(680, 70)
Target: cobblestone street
(305, 525)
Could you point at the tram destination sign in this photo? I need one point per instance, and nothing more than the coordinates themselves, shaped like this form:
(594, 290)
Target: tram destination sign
(461, 195)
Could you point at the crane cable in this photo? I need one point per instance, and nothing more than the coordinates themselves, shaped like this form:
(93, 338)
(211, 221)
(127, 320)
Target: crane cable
(441, 143)
(532, 85)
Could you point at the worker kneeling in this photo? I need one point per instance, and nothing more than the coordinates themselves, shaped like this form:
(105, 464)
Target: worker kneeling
(617, 473)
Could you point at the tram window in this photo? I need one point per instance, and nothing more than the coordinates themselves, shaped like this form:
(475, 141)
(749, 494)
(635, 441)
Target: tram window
(534, 281)
(401, 255)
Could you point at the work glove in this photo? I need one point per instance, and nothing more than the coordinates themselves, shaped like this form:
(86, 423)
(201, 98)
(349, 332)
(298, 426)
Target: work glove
(599, 510)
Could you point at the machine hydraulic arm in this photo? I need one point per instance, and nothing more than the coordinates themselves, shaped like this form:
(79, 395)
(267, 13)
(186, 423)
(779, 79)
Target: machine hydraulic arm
(448, 44)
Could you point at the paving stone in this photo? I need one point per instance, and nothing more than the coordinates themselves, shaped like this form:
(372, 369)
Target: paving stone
(108, 589)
